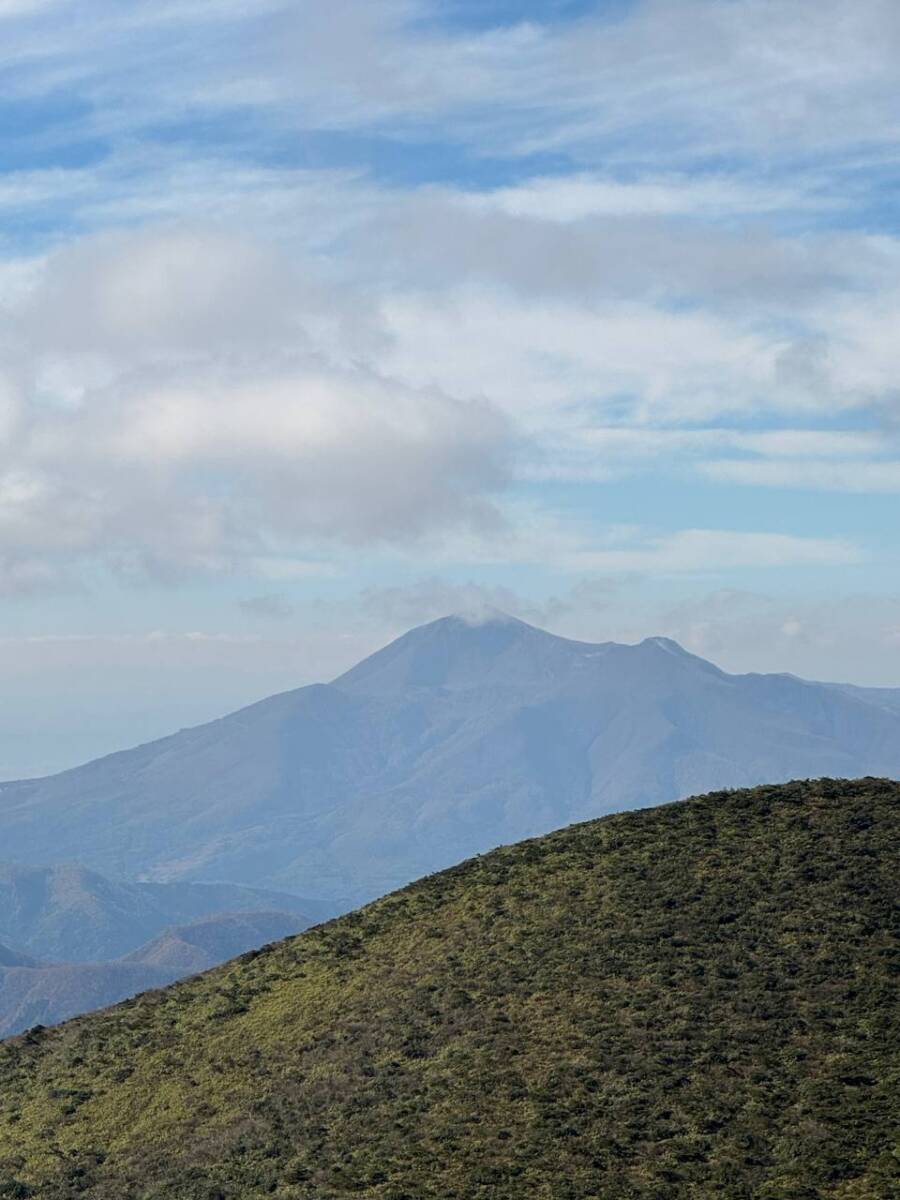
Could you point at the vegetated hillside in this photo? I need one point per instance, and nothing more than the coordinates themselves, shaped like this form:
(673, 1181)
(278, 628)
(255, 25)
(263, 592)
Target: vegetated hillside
(69, 914)
(33, 993)
(452, 740)
(695, 1001)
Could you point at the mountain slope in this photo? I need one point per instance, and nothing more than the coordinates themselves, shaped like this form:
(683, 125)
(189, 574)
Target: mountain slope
(694, 1001)
(70, 914)
(33, 993)
(888, 698)
(12, 958)
(454, 739)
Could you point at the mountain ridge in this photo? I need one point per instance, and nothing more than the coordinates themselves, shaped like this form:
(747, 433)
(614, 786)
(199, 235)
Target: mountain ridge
(67, 913)
(36, 992)
(455, 738)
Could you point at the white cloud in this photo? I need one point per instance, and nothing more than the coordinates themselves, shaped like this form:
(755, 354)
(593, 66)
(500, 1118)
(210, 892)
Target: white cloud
(577, 196)
(271, 607)
(443, 237)
(400, 607)
(676, 78)
(714, 77)
(844, 638)
(841, 460)
(591, 452)
(184, 401)
(360, 363)
(19, 8)
(576, 545)
(713, 550)
(534, 356)
(778, 443)
(825, 475)
(190, 399)
(719, 77)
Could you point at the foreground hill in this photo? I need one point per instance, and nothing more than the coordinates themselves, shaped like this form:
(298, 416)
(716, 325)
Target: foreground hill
(452, 740)
(33, 993)
(69, 914)
(695, 1001)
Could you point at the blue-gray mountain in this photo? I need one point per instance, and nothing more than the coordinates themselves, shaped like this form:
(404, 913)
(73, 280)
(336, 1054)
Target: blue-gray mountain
(36, 993)
(68, 914)
(453, 739)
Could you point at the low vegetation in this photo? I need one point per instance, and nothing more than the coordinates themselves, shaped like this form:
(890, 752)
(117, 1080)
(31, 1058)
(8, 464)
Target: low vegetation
(694, 1001)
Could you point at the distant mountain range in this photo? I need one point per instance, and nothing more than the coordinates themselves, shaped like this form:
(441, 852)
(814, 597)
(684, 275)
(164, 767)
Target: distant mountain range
(189, 949)
(697, 1002)
(36, 993)
(69, 914)
(455, 738)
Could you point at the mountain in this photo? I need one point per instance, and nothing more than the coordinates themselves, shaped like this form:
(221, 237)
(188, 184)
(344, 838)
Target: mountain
(455, 738)
(888, 698)
(12, 958)
(689, 1002)
(71, 914)
(189, 949)
(33, 993)
(44, 995)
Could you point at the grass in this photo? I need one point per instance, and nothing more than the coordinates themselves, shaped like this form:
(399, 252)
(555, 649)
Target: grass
(699, 1000)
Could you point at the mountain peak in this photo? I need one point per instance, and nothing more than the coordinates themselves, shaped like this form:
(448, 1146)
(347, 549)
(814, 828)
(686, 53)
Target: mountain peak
(468, 732)
(474, 625)
(670, 646)
(463, 649)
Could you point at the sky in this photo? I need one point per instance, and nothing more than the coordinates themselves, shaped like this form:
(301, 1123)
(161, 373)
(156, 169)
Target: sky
(321, 321)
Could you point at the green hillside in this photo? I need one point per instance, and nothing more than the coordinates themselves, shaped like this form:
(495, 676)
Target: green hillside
(693, 1001)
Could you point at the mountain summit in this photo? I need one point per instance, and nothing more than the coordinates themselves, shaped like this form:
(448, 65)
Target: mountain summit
(463, 652)
(461, 735)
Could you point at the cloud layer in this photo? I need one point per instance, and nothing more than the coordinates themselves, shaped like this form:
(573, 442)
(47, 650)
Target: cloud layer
(175, 401)
(319, 301)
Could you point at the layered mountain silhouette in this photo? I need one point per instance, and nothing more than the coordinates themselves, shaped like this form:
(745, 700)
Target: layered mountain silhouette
(693, 1002)
(189, 949)
(69, 914)
(43, 993)
(457, 737)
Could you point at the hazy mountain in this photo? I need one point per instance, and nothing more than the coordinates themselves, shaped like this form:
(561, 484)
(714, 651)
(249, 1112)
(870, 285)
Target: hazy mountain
(70, 914)
(51, 993)
(188, 949)
(34, 993)
(12, 958)
(692, 1002)
(453, 739)
(888, 698)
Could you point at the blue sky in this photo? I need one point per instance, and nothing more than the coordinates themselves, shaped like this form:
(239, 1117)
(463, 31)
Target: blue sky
(319, 321)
